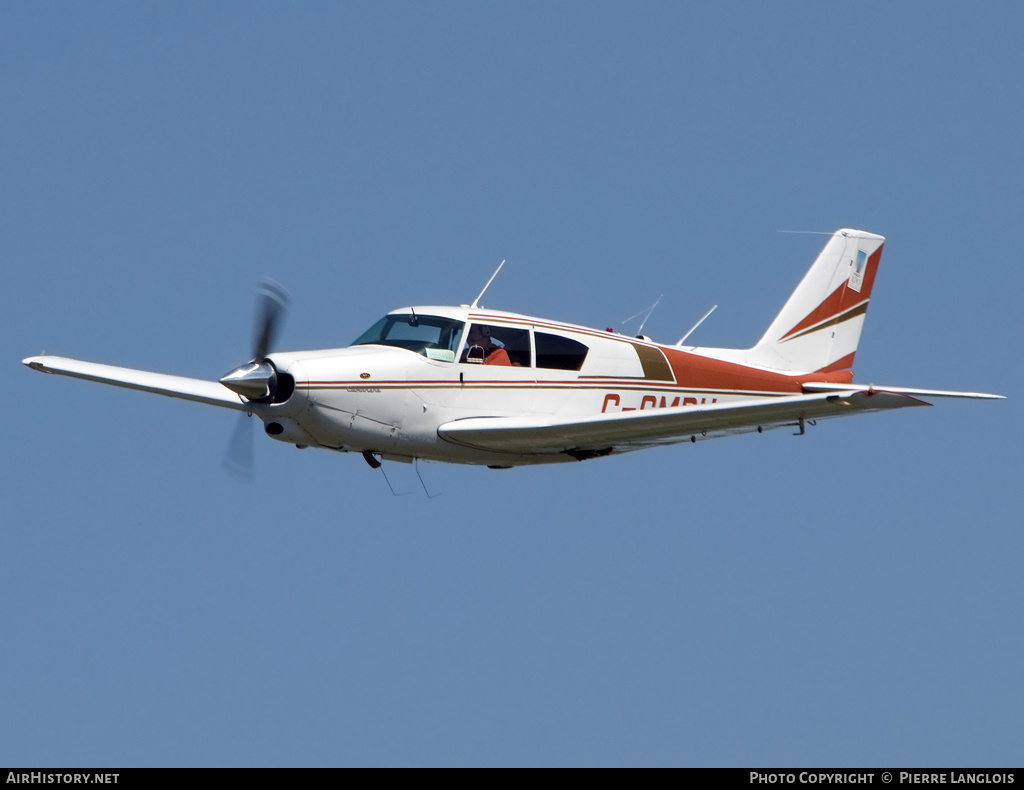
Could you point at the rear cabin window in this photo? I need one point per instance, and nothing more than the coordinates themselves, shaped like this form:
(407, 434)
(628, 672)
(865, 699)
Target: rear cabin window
(559, 353)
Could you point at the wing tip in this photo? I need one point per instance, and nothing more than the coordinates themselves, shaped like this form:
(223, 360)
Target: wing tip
(36, 363)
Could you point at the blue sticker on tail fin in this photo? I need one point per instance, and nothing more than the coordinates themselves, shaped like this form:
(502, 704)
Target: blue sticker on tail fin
(857, 271)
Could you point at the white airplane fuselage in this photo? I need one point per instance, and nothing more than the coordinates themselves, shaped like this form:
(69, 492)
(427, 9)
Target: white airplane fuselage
(392, 401)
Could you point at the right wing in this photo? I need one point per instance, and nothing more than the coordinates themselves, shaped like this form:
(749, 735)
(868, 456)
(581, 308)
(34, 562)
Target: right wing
(604, 433)
(210, 392)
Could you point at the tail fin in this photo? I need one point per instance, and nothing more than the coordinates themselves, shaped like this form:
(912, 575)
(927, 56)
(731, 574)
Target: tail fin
(819, 327)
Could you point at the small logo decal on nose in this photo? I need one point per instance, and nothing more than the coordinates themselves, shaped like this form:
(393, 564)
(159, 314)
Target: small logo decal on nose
(364, 375)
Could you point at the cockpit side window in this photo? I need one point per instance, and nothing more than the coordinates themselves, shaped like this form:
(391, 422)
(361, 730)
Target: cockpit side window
(488, 344)
(433, 336)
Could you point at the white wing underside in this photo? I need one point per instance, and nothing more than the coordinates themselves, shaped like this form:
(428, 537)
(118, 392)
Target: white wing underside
(209, 392)
(634, 430)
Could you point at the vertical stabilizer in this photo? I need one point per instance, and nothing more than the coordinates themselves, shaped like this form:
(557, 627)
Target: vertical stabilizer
(819, 327)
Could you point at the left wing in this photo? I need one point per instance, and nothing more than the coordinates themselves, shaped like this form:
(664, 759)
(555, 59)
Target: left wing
(210, 392)
(633, 430)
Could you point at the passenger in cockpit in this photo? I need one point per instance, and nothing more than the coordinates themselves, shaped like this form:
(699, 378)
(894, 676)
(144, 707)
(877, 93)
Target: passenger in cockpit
(481, 349)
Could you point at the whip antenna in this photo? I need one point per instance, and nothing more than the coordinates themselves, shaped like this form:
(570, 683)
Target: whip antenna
(709, 312)
(473, 306)
(646, 315)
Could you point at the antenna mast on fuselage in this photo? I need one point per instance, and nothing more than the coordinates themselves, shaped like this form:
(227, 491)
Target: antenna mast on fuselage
(709, 312)
(473, 306)
(640, 331)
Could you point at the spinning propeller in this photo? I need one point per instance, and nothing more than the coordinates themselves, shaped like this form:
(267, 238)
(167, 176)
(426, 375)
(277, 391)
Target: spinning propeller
(256, 380)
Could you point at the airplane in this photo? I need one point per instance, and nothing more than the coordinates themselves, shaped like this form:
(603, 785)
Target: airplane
(470, 385)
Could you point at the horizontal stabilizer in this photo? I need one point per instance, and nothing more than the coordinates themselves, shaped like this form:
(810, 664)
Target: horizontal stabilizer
(210, 392)
(823, 386)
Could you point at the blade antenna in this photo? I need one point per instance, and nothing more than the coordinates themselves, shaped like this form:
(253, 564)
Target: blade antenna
(709, 312)
(473, 306)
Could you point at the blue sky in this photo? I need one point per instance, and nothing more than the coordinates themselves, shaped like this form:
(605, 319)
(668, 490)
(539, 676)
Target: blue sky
(851, 597)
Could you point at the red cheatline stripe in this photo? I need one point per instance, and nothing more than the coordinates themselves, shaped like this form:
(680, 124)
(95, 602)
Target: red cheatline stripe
(840, 364)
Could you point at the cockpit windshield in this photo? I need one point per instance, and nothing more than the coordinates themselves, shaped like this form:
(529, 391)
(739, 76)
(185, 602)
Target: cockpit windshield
(434, 337)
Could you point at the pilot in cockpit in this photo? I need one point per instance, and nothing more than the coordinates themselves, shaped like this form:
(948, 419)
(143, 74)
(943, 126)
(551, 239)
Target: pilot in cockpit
(481, 349)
